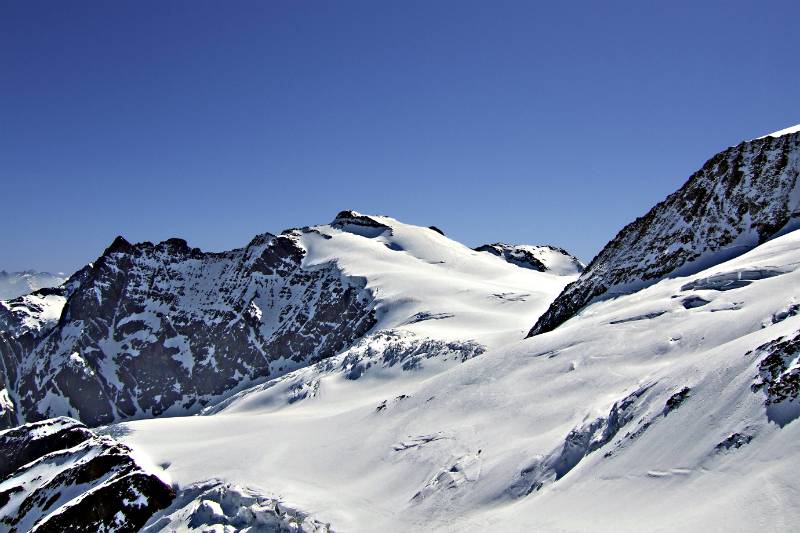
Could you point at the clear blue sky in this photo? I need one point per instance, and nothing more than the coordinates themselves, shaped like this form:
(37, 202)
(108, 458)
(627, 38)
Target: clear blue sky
(526, 122)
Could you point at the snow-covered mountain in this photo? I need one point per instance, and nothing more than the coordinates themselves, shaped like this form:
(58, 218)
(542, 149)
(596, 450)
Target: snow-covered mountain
(542, 258)
(407, 397)
(737, 200)
(151, 329)
(636, 412)
(13, 284)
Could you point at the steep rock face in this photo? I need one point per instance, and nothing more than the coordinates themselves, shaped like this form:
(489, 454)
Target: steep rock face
(739, 198)
(540, 258)
(164, 328)
(56, 475)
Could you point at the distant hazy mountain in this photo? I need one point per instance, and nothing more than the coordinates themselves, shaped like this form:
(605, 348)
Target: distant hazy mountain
(13, 284)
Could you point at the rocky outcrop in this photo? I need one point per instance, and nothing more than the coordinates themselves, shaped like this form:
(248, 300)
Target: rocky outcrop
(359, 224)
(779, 378)
(737, 200)
(151, 329)
(539, 258)
(59, 476)
(579, 443)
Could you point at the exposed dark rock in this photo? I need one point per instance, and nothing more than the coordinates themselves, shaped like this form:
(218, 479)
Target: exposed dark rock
(693, 302)
(579, 443)
(359, 224)
(152, 329)
(23, 444)
(514, 255)
(437, 230)
(734, 441)
(739, 198)
(119, 245)
(779, 378)
(59, 476)
(676, 400)
(533, 257)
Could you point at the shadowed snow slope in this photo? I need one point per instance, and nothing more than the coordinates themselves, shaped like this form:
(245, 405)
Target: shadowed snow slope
(673, 408)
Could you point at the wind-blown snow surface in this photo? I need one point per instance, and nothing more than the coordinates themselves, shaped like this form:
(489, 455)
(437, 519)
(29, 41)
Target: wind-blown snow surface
(673, 408)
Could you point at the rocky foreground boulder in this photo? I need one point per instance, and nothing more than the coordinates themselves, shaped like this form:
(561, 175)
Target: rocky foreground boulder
(57, 475)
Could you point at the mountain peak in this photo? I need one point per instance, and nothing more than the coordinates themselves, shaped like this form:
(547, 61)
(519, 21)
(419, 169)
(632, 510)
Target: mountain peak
(740, 198)
(119, 244)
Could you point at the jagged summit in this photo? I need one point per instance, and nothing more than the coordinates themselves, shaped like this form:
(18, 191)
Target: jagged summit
(739, 198)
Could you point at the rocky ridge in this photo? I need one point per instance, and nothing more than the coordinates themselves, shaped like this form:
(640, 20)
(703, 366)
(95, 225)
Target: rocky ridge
(150, 329)
(739, 198)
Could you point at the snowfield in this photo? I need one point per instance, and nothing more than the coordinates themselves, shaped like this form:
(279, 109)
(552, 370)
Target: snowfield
(428, 284)
(666, 409)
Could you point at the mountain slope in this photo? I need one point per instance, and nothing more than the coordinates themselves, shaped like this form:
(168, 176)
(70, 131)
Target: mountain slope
(737, 200)
(632, 413)
(151, 329)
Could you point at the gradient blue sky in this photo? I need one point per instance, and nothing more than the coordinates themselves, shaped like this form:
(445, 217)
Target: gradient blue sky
(527, 122)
